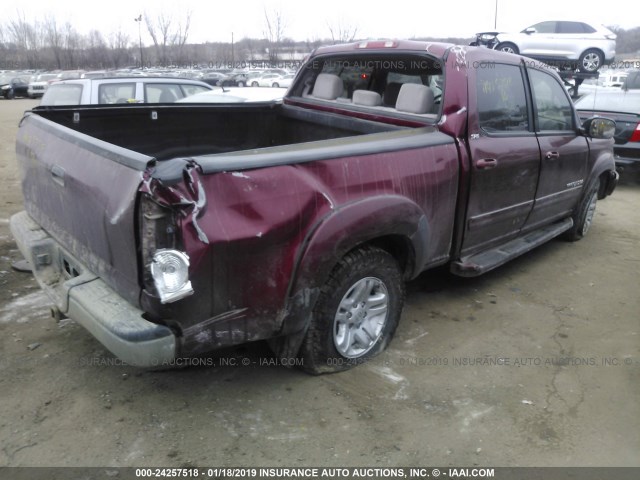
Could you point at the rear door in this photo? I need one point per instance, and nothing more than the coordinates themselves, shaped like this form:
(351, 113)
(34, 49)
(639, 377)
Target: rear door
(564, 152)
(505, 157)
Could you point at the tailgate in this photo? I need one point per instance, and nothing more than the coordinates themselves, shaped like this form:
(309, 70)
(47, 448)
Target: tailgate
(82, 191)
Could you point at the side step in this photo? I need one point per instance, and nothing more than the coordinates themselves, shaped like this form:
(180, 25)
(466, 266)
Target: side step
(482, 262)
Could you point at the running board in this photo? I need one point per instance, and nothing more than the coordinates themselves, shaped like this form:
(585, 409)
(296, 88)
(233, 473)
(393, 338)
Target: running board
(482, 262)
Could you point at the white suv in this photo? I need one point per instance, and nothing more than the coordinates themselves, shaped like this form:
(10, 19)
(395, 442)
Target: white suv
(564, 44)
(121, 90)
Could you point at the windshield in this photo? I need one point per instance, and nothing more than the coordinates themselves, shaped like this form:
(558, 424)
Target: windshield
(620, 101)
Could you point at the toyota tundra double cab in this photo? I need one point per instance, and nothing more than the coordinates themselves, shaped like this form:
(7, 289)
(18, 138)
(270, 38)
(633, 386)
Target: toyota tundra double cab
(169, 230)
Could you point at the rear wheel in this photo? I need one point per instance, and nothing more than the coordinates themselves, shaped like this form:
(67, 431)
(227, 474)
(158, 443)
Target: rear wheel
(508, 47)
(275, 85)
(356, 314)
(241, 84)
(590, 61)
(254, 84)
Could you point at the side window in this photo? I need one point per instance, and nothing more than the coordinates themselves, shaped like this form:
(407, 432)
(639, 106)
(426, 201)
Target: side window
(570, 27)
(545, 27)
(161, 93)
(116, 92)
(502, 102)
(553, 108)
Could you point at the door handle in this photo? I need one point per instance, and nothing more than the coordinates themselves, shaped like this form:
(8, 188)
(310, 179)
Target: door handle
(486, 163)
(552, 155)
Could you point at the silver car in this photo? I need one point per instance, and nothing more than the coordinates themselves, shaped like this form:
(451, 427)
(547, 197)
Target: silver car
(564, 44)
(121, 90)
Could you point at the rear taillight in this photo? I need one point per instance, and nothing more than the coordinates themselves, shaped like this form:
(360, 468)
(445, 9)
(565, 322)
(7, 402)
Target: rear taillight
(635, 136)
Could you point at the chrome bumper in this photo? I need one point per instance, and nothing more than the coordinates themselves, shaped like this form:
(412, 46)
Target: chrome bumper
(88, 300)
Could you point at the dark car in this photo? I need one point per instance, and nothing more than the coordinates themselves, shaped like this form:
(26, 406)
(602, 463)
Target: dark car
(632, 82)
(235, 80)
(623, 106)
(213, 78)
(11, 86)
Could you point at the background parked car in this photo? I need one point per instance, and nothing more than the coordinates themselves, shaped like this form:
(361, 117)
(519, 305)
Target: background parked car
(234, 80)
(632, 82)
(284, 81)
(12, 86)
(120, 90)
(213, 78)
(623, 106)
(39, 85)
(269, 80)
(564, 44)
(252, 78)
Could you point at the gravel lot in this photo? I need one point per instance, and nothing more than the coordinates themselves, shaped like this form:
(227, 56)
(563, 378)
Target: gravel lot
(534, 364)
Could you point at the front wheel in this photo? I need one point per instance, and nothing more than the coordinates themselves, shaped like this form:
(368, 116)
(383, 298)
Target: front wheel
(275, 85)
(356, 314)
(590, 61)
(254, 84)
(508, 47)
(583, 216)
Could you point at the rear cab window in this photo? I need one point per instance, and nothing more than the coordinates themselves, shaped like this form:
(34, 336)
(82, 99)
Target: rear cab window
(374, 83)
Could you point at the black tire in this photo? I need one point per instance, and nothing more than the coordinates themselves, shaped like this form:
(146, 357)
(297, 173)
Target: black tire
(345, 330)
(10, 94)
(240, 84)
(254, 84)
(590, 61)
(584, 214)
(508, 47)
(275, 85)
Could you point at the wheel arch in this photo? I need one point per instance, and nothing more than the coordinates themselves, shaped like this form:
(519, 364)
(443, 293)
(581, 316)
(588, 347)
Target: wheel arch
(393, 223)
(604, 169)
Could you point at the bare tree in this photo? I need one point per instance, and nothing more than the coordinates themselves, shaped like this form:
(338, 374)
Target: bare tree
(118, 47)
(342, 32)
(97, 50)
(169, 35)
(181, 36)
(25, 36)
(274, 33)
(54, 39)
(72, 44)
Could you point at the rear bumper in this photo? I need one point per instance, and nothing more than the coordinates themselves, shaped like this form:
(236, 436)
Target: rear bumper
(88, 300)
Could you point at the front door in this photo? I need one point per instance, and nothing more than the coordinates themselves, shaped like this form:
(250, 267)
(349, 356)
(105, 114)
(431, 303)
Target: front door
(505, 158)
(564, 152)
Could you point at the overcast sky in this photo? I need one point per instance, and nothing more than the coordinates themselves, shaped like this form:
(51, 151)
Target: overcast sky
(214, 20)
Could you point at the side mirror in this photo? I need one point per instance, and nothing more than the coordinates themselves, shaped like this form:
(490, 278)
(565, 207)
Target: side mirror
(599, 127)
(529, 30)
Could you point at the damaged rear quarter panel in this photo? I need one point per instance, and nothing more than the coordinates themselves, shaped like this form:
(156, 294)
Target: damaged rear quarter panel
(264, 235)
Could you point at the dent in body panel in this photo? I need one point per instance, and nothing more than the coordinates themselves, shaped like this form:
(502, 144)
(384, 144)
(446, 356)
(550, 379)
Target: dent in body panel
(261, 224)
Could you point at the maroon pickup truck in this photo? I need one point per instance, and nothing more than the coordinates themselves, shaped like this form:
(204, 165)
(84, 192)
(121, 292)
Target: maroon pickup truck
(171, 230)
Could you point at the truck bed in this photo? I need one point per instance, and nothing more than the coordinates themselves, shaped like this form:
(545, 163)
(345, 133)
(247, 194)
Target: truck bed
(170, 131)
